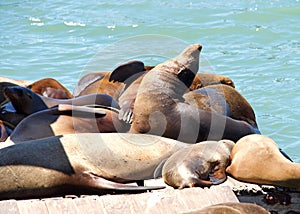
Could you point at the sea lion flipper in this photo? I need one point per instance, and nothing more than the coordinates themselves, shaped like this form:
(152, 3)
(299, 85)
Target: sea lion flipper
(92, 180)
(127, 70)
(83, 111)
(85, 82)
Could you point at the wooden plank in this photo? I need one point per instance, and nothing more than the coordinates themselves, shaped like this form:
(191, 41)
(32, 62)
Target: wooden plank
(60, 206)
(9, 207)
(88, 205)
(32, 206)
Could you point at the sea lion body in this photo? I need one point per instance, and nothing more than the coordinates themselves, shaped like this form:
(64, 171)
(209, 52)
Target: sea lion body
(203, 80)
(201, 164)
(159, 107)
(54, 121)
(50, 87)
(89, 161)
(98, 83)
(257, 159)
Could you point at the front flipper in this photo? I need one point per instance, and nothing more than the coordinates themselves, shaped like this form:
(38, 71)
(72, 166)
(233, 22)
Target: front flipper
(80, 111)
(127, 70)
(92, 180)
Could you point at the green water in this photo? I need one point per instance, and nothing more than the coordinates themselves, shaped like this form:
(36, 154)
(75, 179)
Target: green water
(256, 43)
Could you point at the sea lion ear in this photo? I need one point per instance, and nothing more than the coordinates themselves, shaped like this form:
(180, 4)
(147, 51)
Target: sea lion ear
(127, 70)
(186, 76)
(80, 111)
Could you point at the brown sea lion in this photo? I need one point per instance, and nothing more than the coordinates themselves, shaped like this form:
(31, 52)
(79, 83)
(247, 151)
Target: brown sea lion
(67, 119)
(257, 159)
(240, 108)
(203, 80)
(3, 98)
(232, 208)
(81, 164)
(201, 164)
(50, 87)
(27, 102)
(207, 99)
(98, 83)
(159, 107)
(127, 98)
(224, 100)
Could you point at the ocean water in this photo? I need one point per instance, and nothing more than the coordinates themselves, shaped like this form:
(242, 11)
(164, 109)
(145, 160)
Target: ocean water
(255, 43)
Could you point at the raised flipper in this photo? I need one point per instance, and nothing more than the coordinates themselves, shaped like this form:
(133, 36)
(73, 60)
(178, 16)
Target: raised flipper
(82, 111)
(128, 70)
(90, 179)
(87, 80)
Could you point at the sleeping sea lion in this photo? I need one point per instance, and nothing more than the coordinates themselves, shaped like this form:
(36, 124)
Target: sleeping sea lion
(201, 164)
(159, 107)
(203, 80)
(81, 164)
(27, 102)
(257, 159)
(223, 99)
(50, 87)
(67, 119)
(98, 83)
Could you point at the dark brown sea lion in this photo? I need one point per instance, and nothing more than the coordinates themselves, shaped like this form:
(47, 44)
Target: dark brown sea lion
(50, 87)
(3, 98)
(232, 208)
(81, 164)
(27, 102)
(10, 116)
(257, 159)
(159, 107)
(201, 164)
(67, 119)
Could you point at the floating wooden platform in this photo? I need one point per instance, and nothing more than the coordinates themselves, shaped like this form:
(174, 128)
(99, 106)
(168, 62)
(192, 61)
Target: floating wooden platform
(160, 201)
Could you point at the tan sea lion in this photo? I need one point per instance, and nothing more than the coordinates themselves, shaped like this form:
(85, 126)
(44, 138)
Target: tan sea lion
(67, 119)
(232, 208)
(202, 164)
(50, 87)
(81, 164)
(159, 107)
(257, 159)
(23, 83)
(27, 102)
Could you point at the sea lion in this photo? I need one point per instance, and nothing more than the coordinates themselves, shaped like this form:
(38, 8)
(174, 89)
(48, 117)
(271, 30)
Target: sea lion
(159, 107)
(257, 159)
(207, 99)
(98, 83)
(67, 119)
(133, 81)
(10, 116)
(3, 98)
(232, 208)
(201, 164)
(203, 80)
(4, 131)
(50, 87)
(222, 99)
(27, 102)
(23, 83)
(81, 164)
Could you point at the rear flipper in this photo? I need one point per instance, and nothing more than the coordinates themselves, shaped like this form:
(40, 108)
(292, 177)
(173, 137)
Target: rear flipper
(92, 180)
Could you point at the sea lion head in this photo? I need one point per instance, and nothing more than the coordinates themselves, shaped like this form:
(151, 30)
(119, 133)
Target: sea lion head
(24, 100)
